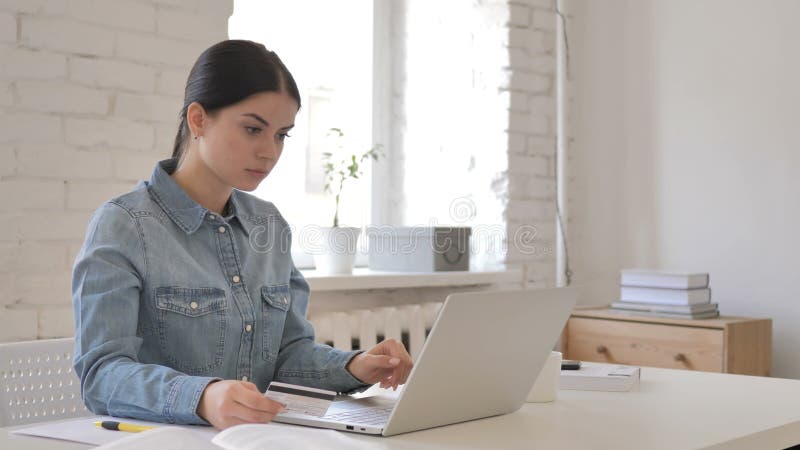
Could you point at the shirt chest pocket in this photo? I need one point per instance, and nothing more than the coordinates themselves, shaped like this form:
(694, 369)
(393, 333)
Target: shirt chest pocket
(191, 327)
(275, 303)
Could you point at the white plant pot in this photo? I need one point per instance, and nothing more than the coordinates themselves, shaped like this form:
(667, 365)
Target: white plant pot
(337, 248)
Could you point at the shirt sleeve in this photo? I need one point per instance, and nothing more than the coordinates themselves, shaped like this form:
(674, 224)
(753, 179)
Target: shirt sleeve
(303, 361)
(106, 287)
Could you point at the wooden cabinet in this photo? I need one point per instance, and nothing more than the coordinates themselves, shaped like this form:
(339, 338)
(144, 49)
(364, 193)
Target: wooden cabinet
(725, 344)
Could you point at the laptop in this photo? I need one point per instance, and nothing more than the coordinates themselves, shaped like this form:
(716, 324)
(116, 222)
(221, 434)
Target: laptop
(480, 359)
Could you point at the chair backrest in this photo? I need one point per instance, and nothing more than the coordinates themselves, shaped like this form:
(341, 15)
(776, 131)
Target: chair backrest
(37, 382)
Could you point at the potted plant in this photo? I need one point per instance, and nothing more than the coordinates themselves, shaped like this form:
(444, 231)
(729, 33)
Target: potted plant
(338, 244)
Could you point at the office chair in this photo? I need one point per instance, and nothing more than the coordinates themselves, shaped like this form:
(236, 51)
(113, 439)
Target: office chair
(37, 382)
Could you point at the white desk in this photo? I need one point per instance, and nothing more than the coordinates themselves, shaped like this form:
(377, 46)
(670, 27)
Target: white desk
(673, 409)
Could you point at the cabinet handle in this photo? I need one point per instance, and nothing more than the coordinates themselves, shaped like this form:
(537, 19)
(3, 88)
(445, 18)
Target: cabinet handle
(602, 349)
(680, 357)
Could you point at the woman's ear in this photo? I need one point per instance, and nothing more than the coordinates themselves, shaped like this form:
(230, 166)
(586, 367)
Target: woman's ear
(196, 119)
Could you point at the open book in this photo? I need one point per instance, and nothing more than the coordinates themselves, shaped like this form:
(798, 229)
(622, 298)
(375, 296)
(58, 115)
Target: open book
(240, 437)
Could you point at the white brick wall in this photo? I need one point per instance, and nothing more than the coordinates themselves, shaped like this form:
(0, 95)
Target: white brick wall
(58, 161)
(48, 7)
(27, 127)
(530, 210)
(60, 97)
(6, 96)
(121, 14)
(107, 132)
(66, 35)
(109, 73)
(88, 195)
(8, 28)
(499, 124)
(89, 99)
(27, 64)
(17, 325)
(151, 49)
(145, 107)
(8, 160)
(31, 194)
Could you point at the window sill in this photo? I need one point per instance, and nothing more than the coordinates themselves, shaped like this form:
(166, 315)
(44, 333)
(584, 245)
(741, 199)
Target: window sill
(363, 278)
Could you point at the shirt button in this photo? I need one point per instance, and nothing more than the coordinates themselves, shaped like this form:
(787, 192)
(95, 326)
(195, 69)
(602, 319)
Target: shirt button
(244, 378)
(285, 301)
(193, 305)
(212, 217)
(236, 278)
(221, 229)
(248, 328)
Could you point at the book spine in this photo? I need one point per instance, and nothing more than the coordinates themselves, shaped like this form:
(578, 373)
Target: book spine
(655, 280)
(665, 296)
(666, 315)
(675, 309)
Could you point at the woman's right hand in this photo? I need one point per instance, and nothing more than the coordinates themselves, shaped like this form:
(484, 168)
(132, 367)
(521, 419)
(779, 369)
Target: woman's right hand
(227, 403)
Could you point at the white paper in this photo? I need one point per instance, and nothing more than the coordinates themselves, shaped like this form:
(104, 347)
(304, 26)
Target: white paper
(85, 431)
(188, 437)
(170, 437)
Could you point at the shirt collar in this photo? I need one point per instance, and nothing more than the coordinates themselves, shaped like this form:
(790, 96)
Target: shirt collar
(182, 209)
(237, 208)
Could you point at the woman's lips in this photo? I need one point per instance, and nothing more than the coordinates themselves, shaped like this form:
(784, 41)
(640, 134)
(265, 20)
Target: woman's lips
(257, 173)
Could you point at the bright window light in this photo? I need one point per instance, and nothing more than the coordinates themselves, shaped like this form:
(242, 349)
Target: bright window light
(328, 48)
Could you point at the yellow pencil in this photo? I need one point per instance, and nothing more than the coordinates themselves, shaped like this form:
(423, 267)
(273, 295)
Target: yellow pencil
(121, 426)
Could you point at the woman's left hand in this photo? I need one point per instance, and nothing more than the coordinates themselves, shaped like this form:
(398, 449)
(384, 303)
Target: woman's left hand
(387, 362)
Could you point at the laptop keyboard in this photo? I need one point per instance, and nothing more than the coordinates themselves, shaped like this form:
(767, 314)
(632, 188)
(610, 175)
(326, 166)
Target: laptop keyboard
(367, 416)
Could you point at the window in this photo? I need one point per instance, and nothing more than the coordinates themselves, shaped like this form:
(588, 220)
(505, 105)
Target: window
(328, 48)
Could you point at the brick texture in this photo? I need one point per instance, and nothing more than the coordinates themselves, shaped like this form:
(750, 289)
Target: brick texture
(86, 89)
(66, 35)
(499, 84)
(530, 208)
(90, 92)
(8, 28)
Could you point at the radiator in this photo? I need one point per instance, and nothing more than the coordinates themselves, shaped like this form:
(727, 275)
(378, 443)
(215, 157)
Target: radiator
(361, 329)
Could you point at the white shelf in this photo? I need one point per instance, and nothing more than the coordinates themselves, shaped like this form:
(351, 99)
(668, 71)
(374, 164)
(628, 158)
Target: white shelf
(363, 278)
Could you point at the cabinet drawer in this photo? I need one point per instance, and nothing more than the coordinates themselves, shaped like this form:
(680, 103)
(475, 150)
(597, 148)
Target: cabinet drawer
(645, 344)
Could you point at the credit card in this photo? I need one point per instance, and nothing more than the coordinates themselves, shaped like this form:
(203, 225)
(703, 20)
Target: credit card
(300, 399)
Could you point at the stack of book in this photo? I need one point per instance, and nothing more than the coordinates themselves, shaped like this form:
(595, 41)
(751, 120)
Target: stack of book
(679, 295)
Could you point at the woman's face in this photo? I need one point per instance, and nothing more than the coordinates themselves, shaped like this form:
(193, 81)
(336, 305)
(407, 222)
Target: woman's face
(241, 143)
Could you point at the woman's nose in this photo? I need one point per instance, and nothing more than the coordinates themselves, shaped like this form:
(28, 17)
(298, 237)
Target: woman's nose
(269, 150)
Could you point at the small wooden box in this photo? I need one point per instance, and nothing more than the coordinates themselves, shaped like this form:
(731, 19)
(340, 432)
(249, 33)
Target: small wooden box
(724, 344)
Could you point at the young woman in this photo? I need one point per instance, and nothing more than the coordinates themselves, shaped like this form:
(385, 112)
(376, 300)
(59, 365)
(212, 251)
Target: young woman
(187, 303)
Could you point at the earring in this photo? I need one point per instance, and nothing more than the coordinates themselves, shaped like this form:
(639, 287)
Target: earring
(195, 138)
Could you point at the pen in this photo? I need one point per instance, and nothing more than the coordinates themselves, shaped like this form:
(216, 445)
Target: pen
(121, 426)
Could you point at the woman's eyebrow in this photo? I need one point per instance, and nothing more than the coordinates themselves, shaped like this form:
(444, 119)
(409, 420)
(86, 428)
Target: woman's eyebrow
(257, 117)
(266, 124)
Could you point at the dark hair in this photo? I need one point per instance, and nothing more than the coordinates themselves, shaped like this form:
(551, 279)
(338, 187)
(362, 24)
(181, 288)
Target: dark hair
(228, 72)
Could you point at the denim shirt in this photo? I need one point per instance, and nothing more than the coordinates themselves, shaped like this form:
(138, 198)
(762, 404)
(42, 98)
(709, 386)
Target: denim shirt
(168, 296)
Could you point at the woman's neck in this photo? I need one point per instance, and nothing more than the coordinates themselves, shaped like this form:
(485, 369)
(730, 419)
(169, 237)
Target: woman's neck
(202, 185)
